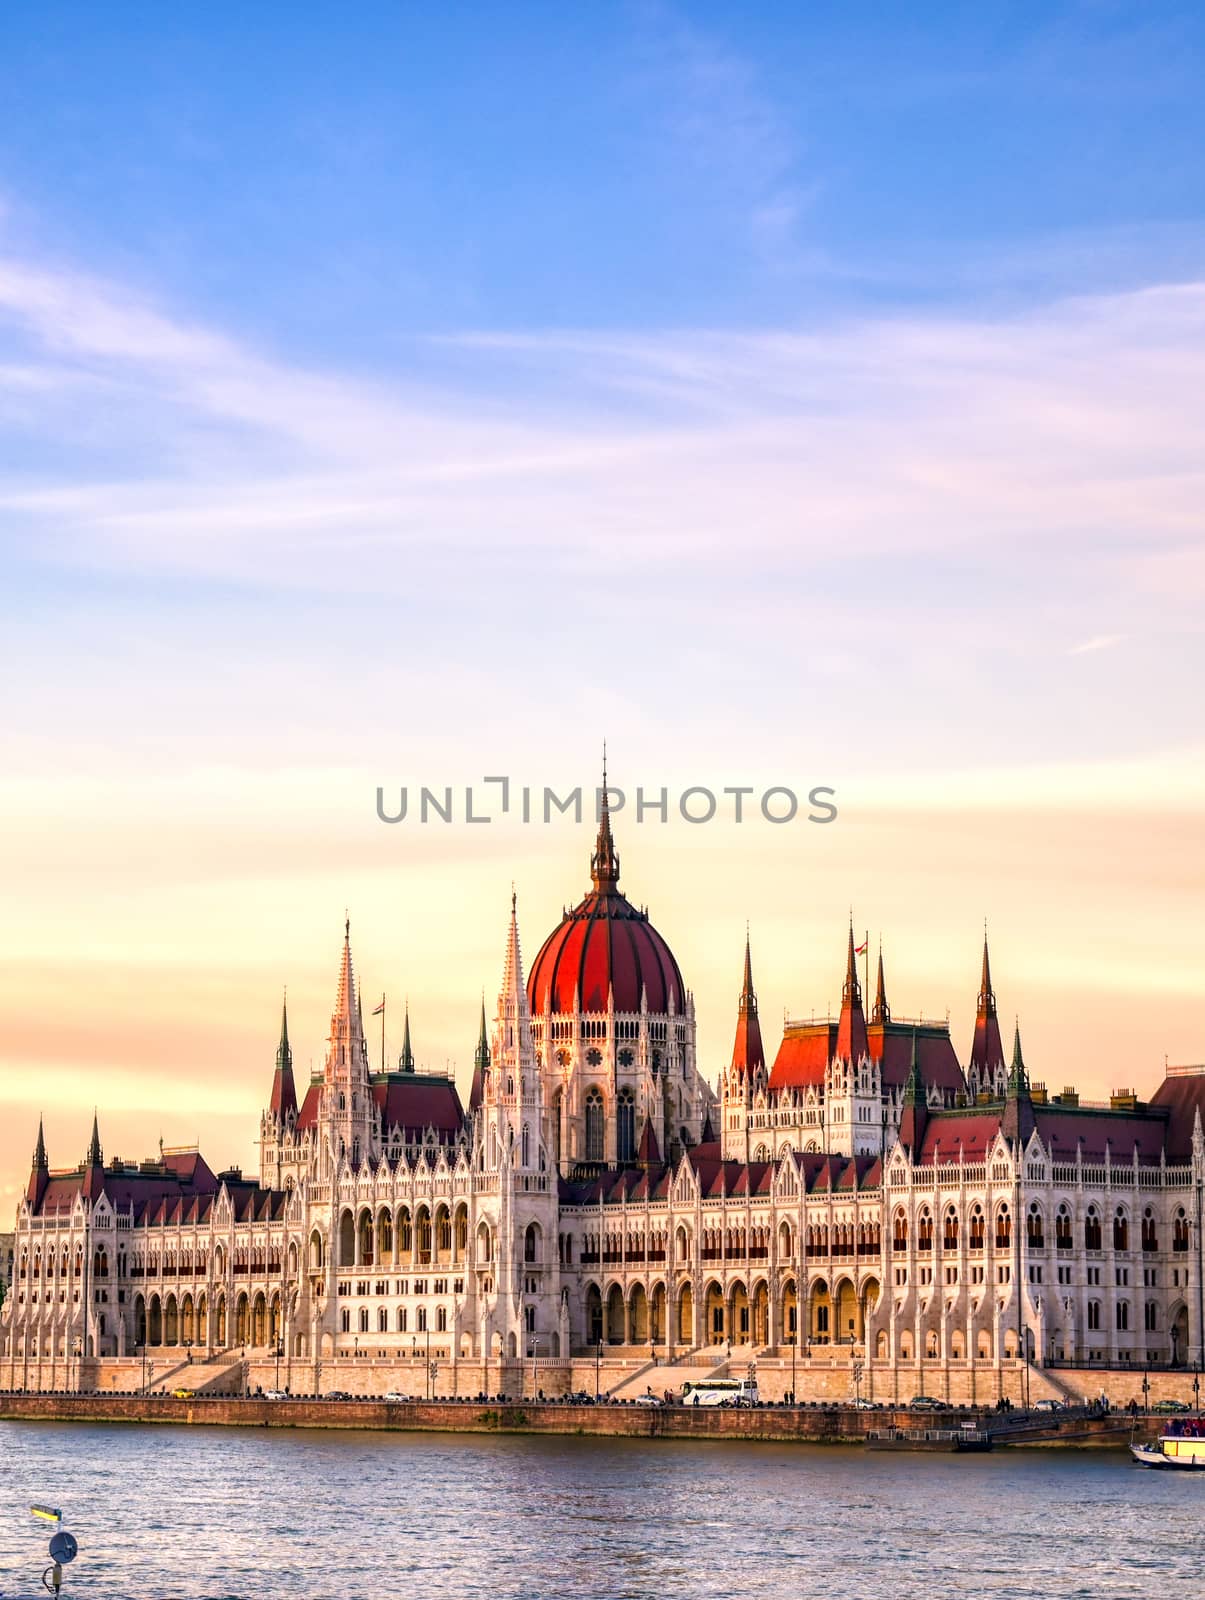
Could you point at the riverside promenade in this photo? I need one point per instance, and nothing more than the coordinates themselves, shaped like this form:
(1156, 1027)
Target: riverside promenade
(835, 1424)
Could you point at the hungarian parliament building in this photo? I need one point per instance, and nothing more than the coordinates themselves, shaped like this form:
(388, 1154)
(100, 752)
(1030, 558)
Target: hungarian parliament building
(867, 1198)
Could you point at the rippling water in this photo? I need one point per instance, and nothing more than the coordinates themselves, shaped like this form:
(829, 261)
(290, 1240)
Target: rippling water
(205, 1513)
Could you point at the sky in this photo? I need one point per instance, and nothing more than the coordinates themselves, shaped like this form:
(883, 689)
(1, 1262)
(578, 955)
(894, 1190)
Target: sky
(789, 395)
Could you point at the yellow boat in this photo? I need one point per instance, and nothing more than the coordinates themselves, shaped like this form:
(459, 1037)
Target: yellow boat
(1174, 1450)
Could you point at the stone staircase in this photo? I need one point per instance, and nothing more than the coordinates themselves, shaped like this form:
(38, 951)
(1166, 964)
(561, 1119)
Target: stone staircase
(692, 1366)
(220, 1374)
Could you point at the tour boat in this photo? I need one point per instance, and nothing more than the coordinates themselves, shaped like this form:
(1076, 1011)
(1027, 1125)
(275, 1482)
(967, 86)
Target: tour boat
(1180, 1448)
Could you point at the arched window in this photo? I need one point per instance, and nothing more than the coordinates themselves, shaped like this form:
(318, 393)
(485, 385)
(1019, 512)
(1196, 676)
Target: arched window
(899, 1232)
(1062, 1229)
(526, 1146)
(976, 1229)
(382, 1320)
(1004, 1229)
(441, 1320)
(594, 1126)
(1150, 1235)
(1034, 1234)
(363, 1319)
(625, 1126)
(1179, 1232)
(401, 1319)
(1092, 1235)
(531, 1244)
(949, 1232)
(1121, 1230)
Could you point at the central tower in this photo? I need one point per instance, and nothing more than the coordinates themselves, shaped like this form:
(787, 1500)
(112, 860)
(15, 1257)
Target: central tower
(614, 1029)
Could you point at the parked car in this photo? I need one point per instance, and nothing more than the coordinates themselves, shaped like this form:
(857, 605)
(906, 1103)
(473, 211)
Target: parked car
(648, 1400)
(191, 1394)
(1167, 1408)
(276, 1394)
(393, 1398)
(865, 1405)
(336, 1394)
(926, 1402)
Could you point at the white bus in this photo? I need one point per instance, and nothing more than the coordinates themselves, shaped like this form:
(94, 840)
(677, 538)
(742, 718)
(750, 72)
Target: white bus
(721, 1392)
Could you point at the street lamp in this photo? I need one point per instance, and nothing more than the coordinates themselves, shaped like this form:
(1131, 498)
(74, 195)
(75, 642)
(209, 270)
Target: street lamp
(1146, 1391)
(597, 1359)
(430, 1363)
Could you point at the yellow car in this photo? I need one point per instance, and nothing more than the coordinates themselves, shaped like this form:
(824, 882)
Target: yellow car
(184, 1394)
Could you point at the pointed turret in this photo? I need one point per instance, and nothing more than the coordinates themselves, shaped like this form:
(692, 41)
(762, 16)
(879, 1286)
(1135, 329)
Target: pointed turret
(851, 1029)
(95, 1156)
(748, 1056)
(1018, 1121)
(406, 1059)
(283, 1102)
(916, 1107)
(39, 1175)
(1017, 1076)
(604, 863)
(513, 988)
(481, 1063)
(987, 1048)
(347, 1051)
(345, 994)
(880, 1012)
(649, 1153)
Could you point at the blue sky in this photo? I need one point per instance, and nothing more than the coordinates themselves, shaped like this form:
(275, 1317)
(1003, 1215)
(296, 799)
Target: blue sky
(408, 393)
(341, 186)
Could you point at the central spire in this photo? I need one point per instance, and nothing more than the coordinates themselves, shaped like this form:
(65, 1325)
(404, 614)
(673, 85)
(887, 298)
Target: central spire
(604, 863)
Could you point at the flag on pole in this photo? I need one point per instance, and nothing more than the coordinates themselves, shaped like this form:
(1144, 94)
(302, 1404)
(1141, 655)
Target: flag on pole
(378, 1010)
(860, 950)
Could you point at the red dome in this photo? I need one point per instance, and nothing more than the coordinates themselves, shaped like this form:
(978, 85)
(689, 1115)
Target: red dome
(605, 944)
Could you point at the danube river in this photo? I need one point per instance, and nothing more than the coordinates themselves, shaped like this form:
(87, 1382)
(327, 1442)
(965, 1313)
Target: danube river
(208, 1513)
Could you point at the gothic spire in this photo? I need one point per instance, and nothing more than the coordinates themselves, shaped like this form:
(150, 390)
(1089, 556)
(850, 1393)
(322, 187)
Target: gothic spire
(406, 1059)
(915, 1112)
(604, 863)
(284, 1093)
(880, 1011)
(1017, 1077)
(1018, 1122)
(987, 997)
(481, 1056)
(348, 1049)
(748, 1054)
(481, 1063)
(39, 1176)
(851, 1029)
(987, 1048)
(513, 989)
(95, 1156)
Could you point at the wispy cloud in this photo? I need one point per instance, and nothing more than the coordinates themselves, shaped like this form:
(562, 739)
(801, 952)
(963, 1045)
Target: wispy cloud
(1099, 641)
(1069, 430)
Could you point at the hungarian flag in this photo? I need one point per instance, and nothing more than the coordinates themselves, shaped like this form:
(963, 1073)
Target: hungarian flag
(860, 950)
(378, 1009)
